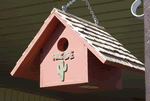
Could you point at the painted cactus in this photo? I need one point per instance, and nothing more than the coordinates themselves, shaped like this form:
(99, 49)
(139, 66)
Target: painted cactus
(61, 69)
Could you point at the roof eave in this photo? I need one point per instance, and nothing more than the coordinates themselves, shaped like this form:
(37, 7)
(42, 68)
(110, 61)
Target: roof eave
(124, 67)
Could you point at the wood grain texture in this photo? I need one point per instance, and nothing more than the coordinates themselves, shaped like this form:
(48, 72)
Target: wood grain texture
(147, 47)
(14, 95)
(121, 36)
(39, 18)
(26, 97)
(42, 14)
(108, 24)
(32, 96)
(13, 5)
(35, 8)
(37, 98)
(20, 96)
(8, 96)
(42, 98)
(2, 93)
(47, 99)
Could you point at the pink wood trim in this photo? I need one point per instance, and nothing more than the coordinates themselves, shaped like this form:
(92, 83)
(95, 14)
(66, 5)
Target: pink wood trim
(102, 59)
(86, 63)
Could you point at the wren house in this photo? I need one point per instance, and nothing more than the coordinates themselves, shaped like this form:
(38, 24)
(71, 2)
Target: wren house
(73, 55)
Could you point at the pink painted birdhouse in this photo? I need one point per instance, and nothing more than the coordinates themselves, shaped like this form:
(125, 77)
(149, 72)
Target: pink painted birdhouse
(73, 55)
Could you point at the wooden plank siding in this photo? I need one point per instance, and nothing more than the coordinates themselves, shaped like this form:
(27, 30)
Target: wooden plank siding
(14, 95)
(20, 96)
(2, 94)
(110, 25)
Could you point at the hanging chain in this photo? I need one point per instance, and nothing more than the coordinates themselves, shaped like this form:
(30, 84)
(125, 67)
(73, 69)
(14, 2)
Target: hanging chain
(64, 8)
(91, 11)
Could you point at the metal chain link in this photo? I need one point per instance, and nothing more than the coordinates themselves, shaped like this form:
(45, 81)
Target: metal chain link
(92, 12)
(64, 8)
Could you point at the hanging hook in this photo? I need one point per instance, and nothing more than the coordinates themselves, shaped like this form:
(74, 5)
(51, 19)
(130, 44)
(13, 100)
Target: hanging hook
(134, 6)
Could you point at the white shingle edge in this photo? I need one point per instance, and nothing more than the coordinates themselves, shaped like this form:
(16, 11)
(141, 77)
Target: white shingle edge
(64, 17)
(109, 52)
(99, 34)
(112, 59)
(77, 30)
(87, 22)
(93, 24)
(112, 48)
(118, 55)
(70, 23)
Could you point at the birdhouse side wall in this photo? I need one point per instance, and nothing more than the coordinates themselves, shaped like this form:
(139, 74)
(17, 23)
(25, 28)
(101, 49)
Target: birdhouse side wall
(102, 74)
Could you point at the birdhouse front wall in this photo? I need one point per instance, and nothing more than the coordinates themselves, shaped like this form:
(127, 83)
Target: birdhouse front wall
(63, 59)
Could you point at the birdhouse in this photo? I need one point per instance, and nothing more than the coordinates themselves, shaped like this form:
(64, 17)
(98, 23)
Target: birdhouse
(74, 55)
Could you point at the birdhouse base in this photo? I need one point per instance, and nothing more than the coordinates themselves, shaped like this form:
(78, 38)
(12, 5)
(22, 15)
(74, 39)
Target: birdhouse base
(82, 88)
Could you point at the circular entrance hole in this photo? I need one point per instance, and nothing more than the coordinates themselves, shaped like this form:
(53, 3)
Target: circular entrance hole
(62, 44)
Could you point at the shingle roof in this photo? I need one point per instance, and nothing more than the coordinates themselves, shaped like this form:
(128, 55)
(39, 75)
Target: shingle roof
(107, 46)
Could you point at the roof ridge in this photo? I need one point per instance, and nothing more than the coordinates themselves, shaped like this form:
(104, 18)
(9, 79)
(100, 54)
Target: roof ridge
(101, 27)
